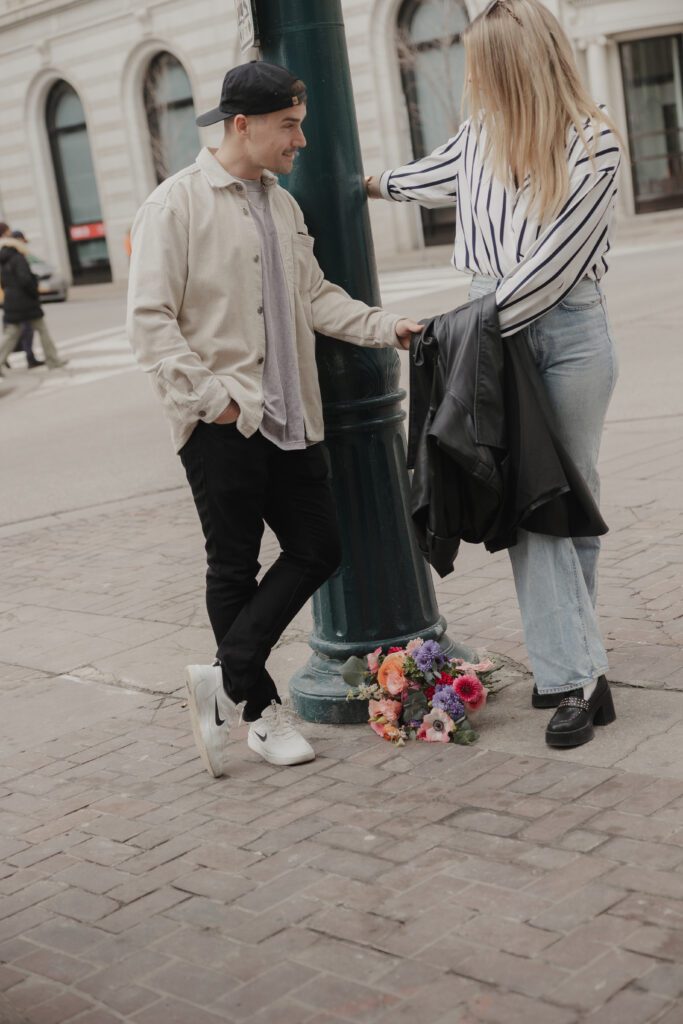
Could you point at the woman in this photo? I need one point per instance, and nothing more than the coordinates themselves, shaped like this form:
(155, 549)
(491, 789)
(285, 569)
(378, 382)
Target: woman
(532, 175)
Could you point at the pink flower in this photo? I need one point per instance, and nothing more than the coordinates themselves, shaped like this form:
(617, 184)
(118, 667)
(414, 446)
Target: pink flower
(476, 705)
(373, 660)
(392, 650)
(471, 692)
(436, 727)
(468, 667)
(390, 675)
(414, 645)
(390, 710)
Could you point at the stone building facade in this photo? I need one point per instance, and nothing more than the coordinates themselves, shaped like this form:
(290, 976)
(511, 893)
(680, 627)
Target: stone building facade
(99, 99)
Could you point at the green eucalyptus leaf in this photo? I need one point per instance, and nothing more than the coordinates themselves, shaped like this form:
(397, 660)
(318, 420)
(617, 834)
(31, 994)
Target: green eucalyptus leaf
(415, 706)
(465, 735)
(354, 671)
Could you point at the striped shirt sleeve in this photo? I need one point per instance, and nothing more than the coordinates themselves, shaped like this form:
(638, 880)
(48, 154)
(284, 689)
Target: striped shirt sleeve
(430, 181)
(566, 248)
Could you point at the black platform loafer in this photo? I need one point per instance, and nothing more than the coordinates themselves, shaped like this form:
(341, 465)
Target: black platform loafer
(552, 700)
(572, 724)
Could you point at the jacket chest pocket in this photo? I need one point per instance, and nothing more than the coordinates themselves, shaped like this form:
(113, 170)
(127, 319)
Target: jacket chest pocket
(302, 253)
(303, 264)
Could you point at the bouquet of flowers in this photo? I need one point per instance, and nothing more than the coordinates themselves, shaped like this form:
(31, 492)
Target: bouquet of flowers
(416, 692)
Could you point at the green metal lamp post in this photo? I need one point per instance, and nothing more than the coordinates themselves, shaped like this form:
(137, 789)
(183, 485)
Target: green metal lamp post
(383, 593)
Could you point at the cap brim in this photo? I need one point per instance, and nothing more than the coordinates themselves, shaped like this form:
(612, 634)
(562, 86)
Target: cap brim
(211, 117)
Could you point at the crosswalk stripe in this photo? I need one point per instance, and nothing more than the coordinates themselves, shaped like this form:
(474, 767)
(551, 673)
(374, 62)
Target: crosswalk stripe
(86, 339)
(99, 341)
(92, 357)
(52, 384)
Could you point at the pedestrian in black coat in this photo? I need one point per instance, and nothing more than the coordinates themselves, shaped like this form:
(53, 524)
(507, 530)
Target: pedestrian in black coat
(21, 300)
(25, 342)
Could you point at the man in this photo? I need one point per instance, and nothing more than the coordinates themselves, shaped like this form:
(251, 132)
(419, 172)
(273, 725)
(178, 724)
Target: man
(21, 299)
(225, 294)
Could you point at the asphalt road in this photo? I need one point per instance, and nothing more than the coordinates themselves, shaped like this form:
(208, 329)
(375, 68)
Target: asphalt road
(106, 441)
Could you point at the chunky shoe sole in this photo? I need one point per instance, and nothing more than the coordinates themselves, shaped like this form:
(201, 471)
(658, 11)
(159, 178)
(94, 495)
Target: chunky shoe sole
(603, 714)
(280, 762)
(216, 770)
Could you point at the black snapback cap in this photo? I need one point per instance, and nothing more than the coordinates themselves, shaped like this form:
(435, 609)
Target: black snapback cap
(255, 88)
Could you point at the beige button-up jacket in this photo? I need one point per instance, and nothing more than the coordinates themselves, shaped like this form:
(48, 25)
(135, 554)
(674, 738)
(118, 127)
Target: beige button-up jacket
(195, 303)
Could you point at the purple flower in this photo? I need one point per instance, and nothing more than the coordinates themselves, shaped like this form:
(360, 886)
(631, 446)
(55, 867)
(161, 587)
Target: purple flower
(428, 655)
(447, 699)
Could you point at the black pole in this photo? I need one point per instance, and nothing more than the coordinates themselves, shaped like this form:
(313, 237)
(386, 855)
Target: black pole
(383, 593)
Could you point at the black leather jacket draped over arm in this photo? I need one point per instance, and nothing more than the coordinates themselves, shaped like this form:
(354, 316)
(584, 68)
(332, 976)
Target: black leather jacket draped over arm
(483, 444)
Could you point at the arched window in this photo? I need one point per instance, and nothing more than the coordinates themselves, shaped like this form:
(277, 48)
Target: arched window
(170, 115)
(432, 60)
(76, 185)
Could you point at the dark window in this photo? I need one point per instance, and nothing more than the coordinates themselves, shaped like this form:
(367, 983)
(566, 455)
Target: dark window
(76, 185)
(170, 115)
(432, 60)
(652, 71)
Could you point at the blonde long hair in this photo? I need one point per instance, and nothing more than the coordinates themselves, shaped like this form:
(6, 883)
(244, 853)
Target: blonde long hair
(524, 89)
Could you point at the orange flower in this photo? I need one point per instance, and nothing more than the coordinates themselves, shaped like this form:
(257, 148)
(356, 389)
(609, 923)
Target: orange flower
(386, 730)
(390, 675)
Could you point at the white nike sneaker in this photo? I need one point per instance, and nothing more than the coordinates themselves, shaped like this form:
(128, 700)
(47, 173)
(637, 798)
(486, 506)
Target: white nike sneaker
(274, 737)
(212, 713)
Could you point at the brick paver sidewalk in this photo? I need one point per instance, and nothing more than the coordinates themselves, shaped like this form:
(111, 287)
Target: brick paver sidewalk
(501, 884)
(372, 885)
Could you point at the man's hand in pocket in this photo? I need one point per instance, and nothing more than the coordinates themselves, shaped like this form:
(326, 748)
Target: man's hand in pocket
(229, 414)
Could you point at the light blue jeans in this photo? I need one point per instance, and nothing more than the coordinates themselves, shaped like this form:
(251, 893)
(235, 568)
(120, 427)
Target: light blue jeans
(556, 578)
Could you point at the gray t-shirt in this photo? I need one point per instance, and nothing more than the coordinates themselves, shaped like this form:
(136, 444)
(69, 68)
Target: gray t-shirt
(283, 415)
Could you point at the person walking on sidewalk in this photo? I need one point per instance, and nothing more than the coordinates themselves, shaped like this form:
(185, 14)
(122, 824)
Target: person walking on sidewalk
(225, 295)
(22, 300)
(532, 176)
(25, 339)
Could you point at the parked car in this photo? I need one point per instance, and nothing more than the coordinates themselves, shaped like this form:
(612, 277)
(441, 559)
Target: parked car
(51, 285)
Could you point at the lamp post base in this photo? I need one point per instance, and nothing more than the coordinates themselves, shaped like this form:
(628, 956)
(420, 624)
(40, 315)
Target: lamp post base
(319, 694)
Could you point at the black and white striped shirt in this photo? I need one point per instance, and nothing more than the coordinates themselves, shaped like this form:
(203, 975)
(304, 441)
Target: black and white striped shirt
(536, 264)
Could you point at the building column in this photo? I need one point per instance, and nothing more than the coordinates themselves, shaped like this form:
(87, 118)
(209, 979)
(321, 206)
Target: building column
(598, 69)
(604, 84)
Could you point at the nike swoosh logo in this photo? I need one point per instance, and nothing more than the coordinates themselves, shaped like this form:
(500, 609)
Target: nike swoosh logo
(219, 721)
(262, 738)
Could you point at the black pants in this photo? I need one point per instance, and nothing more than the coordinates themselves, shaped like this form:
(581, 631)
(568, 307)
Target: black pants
(26, 343)
(239, 484)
